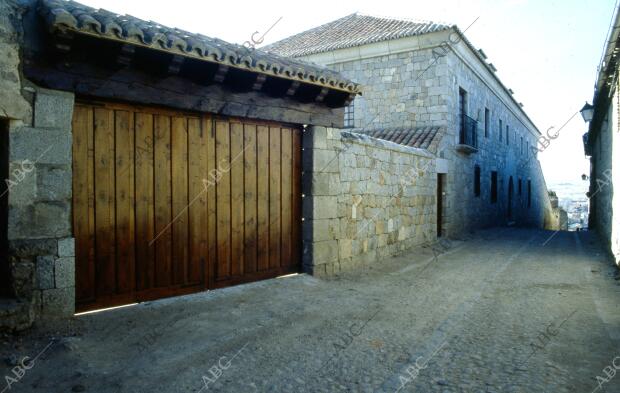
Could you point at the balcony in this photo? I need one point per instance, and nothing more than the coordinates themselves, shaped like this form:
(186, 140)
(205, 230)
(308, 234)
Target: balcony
(468, 135)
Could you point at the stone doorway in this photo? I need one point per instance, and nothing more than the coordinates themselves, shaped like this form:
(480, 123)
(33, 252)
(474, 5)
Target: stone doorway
(440, 205)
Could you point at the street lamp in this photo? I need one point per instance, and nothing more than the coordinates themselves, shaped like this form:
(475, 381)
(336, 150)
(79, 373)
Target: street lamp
(587, 112)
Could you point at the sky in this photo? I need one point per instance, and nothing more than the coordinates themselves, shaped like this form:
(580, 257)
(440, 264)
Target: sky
(547, 51)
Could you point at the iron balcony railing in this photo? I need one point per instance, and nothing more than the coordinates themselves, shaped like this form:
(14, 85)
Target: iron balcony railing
(468, 131)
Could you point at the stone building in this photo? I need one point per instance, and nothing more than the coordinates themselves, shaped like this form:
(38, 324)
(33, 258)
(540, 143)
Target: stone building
(426, 86)
(601, 144)
(140, 161)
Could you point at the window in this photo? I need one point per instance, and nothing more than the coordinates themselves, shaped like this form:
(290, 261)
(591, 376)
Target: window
(521, 148)
(501, 130)
(462, 102)
(487, 118)
(462, 108)
(349, 120)
(477, 181)
(493, 186)
(519, 186)
(507, 135)
(527, 149)
(529, 193)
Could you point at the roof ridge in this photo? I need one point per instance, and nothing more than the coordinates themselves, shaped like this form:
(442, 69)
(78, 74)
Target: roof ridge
(401, 19)
(349, 31)
(316, 28)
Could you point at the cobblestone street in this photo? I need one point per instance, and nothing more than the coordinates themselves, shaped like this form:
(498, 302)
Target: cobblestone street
(506, 310)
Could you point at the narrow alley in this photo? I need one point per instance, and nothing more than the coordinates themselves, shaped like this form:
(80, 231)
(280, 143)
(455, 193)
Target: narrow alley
(505, 310)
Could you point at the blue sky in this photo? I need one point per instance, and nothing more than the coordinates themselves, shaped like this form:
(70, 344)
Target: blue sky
(546, 51)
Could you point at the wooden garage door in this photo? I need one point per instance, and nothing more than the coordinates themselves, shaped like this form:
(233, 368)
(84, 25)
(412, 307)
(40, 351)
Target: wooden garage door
(168, 203)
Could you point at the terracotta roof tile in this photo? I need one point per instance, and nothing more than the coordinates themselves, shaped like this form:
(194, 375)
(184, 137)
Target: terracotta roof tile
(427, 138)
(66, 15)
(352, 30)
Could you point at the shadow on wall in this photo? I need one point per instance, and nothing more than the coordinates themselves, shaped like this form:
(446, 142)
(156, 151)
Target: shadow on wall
(5, 282)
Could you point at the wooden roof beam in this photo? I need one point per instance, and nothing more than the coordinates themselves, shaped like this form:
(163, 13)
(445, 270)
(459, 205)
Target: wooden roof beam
(125, 55)
(175, 64)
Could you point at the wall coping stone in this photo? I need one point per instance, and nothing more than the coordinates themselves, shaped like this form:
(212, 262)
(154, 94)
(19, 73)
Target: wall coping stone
(384, 145)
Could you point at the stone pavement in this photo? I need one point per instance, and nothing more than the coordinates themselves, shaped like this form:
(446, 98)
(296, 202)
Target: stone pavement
(507, 310)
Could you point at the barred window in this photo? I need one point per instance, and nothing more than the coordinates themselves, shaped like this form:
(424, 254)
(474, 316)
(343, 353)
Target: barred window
(349, 119)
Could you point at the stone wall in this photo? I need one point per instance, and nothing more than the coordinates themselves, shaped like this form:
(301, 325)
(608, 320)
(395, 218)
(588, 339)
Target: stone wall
(603, 176)
(509, 150)
(407, 89)
(420, 87)
(41, 249)
(365, 199)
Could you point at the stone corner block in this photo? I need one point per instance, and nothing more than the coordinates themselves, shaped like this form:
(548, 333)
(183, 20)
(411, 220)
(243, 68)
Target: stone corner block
(45, 272)
(58, 303)
(53, 109)
(41, 146)
(41, 220)
(66, 247)
(324, 207)
(325, 252)
(318, 137)
(64, 272)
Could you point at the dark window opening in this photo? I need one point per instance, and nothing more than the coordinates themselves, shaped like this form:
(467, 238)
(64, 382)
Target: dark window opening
(5, 281)
(467, 126)
(487, 118)
(529, 193)
(477, 181)
(349, 118)
(519, 187)
(501, 130)
(462, 102)
(493, 186)
(507, 135)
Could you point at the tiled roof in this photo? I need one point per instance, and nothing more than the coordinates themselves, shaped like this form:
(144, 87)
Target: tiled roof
(352, 30)
(66, 15)
(421, 137)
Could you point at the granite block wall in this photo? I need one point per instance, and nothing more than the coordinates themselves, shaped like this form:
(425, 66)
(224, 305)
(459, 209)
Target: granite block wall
(41, 248)
(364, 200)
(421, 87)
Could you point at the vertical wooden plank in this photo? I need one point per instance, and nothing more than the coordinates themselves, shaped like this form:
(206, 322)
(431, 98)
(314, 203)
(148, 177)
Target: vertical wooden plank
(275, 213)
(296, 198)
(287, 194)
(84, 266)
(262, 193)
(209, 134)
(124, 201)
(236, 198)
(222, 146)
(250, 199)
(104, 202)
(163, 201)
(180, 231)
(145, 209)
(92, 258)
(198, 209)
